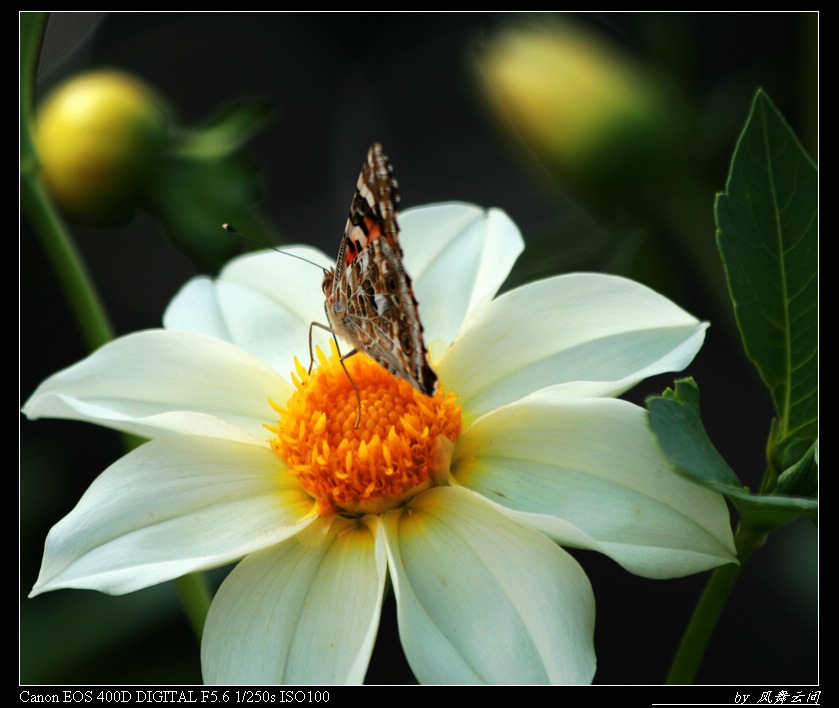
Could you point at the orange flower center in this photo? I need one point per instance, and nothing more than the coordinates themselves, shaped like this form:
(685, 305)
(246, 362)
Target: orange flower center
(402, 446)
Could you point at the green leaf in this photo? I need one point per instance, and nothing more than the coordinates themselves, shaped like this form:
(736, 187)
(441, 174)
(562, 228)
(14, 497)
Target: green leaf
(32, 28)
(767, 234)
(801, 477)
(225, 132)
(768, 512)
(676, 420)
(677, 423)
(205, 180)
(192, 198)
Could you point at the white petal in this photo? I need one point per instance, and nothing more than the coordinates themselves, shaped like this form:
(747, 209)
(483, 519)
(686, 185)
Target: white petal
(298, 613)
(263, 302)
(458, 255)
(483, 599)
(170, 507)
(282, 276)
(157, 382)
(590, 474)
(586, 334)
(195, 308)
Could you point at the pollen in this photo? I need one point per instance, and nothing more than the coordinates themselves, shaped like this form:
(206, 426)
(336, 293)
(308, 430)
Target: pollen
(402, 445)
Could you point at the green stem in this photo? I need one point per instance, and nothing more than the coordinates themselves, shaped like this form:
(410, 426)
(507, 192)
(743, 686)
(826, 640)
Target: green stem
(710, 607)
(67, 262)
(37, 205)
(702, 624)
(195, 598)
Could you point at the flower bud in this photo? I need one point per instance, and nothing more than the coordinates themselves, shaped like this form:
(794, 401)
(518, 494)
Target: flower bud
(591, 112)
(100, 135)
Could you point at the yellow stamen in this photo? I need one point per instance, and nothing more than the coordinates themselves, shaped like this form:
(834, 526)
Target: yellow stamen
(401, 447)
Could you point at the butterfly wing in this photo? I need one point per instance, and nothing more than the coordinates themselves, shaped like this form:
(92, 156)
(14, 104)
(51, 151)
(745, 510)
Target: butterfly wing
(370, 299)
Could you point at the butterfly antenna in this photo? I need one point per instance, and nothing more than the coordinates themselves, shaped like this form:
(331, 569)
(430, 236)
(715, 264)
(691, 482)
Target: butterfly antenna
(233, 230)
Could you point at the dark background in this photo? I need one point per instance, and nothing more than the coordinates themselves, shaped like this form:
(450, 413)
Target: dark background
(339, 82)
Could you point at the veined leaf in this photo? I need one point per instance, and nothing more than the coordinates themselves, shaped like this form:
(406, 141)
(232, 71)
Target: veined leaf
(767, 233)
(677, 423)
(676, 420)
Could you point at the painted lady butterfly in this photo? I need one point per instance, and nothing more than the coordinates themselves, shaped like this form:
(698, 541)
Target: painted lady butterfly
(369, 299)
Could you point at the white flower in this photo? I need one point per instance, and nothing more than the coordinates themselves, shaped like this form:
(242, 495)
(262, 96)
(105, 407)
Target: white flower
(539, 454)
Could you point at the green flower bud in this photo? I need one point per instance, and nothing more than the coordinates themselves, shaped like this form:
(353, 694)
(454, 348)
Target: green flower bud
(584, 107)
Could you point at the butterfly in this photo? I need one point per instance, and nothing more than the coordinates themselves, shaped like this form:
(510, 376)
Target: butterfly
(370, 301)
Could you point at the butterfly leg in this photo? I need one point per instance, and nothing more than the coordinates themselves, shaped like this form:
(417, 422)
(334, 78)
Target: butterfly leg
(342, 358)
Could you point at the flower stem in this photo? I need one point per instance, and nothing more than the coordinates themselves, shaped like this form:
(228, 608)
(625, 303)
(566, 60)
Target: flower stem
(38, 207)
(709, 609)
(195, 597)
(702, 624)
(67, 263)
